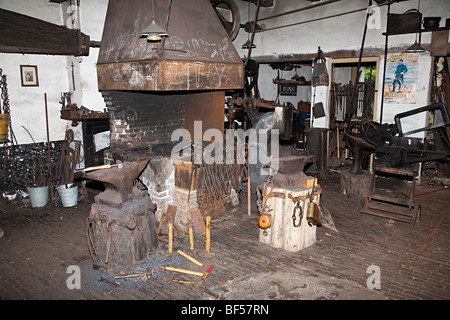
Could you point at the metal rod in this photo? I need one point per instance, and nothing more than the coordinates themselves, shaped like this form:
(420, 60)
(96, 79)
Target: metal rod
(253, 33)
(323, 18)
(424, 247)
(313, 20)
(167, 28)
(385, 57)
(358, 72)
(73, 77)
(48, 145)
(299, 10)
(249, 201)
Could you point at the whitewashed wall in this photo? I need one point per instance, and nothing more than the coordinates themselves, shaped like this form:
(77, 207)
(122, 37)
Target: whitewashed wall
(55, 72)
(27, 103)
(268, 90)
(339, 33)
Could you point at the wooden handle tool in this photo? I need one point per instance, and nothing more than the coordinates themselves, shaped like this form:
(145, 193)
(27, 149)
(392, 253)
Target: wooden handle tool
(195, 273)
(207, 273)
(103, 166)
(190, 258)
(170, 237)
(191, 238)
(208, 234)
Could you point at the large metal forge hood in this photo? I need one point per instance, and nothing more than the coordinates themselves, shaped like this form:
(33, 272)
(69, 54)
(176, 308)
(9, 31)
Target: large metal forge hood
(197, 55)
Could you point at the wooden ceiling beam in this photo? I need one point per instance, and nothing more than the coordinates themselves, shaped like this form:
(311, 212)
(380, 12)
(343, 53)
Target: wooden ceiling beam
(24, 34)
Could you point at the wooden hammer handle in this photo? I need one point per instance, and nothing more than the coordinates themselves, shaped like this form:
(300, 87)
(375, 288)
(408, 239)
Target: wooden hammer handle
(104, 166)
(195, 273)
(190, 258)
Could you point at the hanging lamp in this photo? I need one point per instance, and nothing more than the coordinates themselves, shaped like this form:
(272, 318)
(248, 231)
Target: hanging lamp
(296, 77)
(415, 48)
(154, 32)
(248, 43)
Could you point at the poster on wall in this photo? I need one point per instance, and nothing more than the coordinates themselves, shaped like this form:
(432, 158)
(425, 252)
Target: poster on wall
(400, 84)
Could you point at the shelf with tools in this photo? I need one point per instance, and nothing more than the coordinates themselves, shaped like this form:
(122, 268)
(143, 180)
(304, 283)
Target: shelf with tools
(298, 83)
(423, 30)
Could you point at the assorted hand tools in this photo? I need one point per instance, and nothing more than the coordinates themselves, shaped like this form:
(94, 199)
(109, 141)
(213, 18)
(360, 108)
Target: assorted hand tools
(215, 183)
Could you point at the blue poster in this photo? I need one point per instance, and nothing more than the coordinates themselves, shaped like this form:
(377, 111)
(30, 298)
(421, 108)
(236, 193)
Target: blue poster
(400, 84)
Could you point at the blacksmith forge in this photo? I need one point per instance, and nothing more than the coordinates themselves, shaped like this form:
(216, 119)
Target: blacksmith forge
(152, 88)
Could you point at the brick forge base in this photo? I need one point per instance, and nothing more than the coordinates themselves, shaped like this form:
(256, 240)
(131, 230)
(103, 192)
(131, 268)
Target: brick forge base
(173, 183)
(167, 183)
(185, 196)
(186, 206)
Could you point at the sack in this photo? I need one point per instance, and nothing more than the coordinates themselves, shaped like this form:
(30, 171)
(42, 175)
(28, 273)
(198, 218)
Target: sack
(408, 22)
(320, 74)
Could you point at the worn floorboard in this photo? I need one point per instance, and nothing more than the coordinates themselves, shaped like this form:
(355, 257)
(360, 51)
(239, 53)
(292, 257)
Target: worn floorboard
(40, 244)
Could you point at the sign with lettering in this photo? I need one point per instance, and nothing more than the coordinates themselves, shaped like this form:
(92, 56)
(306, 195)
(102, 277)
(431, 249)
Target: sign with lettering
(400, 85)
(288, 89)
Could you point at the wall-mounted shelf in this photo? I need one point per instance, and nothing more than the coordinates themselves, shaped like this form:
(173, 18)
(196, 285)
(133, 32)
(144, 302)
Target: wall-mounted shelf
(83, 114)
(421, 31)
(298, 83)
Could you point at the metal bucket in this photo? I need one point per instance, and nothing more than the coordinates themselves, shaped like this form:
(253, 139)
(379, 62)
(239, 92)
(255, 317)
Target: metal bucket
(68, 194)
(38, 196)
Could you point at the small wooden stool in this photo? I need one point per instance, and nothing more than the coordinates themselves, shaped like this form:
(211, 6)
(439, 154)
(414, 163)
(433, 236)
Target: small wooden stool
(405, 210)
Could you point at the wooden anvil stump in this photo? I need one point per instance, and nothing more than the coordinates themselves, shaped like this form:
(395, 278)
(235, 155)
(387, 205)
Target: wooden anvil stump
(356, 185)
(122, 227)
(123, 237)
(283, 204)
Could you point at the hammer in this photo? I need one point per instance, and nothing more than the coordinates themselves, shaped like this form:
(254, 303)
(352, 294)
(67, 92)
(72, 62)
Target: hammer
(104, 166)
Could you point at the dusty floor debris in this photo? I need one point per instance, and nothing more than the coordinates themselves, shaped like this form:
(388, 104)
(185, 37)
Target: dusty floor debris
(39, 245)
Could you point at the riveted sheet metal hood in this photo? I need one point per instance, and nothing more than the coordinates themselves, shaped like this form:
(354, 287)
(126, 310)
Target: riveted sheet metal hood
(197, 54)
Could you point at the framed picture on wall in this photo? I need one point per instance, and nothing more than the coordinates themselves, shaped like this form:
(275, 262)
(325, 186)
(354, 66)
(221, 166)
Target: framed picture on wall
(29, 76)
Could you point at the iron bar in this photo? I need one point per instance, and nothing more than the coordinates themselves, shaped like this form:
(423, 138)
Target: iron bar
(384, 64)
(322, 18)
(299, 10)
(358, 71)
(253, 34)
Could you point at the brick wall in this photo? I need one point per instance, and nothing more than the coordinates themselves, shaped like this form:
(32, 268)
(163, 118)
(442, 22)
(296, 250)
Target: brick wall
(142, 119)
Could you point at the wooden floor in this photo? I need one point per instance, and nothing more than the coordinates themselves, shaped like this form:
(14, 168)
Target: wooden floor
(40, 245)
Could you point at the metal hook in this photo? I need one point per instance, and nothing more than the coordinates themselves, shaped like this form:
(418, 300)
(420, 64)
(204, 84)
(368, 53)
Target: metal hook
(300, 215)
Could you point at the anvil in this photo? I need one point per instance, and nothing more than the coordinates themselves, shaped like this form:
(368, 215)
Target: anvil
(358, 145)
(118, 182)
(294, 164)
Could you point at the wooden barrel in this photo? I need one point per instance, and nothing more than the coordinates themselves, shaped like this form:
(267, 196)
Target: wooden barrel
(285, 232)
(4, 128)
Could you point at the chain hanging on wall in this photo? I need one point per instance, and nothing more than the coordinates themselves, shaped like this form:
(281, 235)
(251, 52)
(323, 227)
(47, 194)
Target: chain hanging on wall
(5, 105)
(4, 109)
